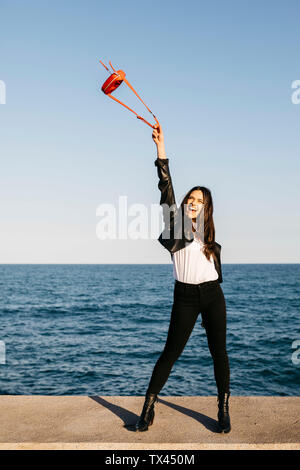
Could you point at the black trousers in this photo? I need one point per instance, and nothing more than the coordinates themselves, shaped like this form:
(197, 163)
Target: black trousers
(189, 300)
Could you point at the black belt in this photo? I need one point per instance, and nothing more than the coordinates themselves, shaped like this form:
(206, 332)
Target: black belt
(195, 285)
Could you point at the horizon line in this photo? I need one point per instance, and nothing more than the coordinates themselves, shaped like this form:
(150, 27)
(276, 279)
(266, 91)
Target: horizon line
(126, 264)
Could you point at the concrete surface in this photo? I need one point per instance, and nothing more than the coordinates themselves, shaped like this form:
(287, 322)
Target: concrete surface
(106, 422)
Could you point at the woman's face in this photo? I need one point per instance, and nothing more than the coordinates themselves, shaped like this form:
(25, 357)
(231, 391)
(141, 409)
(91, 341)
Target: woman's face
(194, 204)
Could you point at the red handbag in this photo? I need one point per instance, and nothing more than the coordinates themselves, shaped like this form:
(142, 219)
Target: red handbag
(113, 82)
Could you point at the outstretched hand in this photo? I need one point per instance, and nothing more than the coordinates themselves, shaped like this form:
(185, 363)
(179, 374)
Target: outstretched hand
(158, 138)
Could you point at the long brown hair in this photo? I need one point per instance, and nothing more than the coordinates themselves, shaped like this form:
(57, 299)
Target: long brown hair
(209, 227)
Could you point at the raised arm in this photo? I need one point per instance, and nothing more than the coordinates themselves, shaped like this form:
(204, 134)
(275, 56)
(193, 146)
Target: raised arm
(165, 181)
(167, 198)
(159, 140)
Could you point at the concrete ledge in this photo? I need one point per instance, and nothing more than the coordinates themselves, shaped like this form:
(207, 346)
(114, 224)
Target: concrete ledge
(181, 423)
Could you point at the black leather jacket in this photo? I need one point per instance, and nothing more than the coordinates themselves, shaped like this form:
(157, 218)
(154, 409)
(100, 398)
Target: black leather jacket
(172, 221)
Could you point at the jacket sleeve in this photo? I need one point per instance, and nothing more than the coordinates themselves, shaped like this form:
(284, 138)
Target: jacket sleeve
(219, 263)
(165, 185)
(165, 181)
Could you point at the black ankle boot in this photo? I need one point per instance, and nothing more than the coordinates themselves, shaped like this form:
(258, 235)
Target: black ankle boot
(223, 413)
(147, 416)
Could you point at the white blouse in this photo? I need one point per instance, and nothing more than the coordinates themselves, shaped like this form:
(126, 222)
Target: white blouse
(191, 265)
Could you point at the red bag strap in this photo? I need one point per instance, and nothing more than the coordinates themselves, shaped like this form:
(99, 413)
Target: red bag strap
(139, 117)
(131, 87)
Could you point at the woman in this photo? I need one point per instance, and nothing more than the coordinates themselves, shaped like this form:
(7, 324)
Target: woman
(189, 236)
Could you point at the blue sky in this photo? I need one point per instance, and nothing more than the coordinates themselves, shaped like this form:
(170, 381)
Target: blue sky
(218, 77)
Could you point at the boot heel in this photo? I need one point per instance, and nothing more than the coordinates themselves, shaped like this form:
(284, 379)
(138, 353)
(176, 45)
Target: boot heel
(151, 419)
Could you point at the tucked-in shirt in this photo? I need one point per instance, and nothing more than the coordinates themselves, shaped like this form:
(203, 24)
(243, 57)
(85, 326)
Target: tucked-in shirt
(190, 264)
